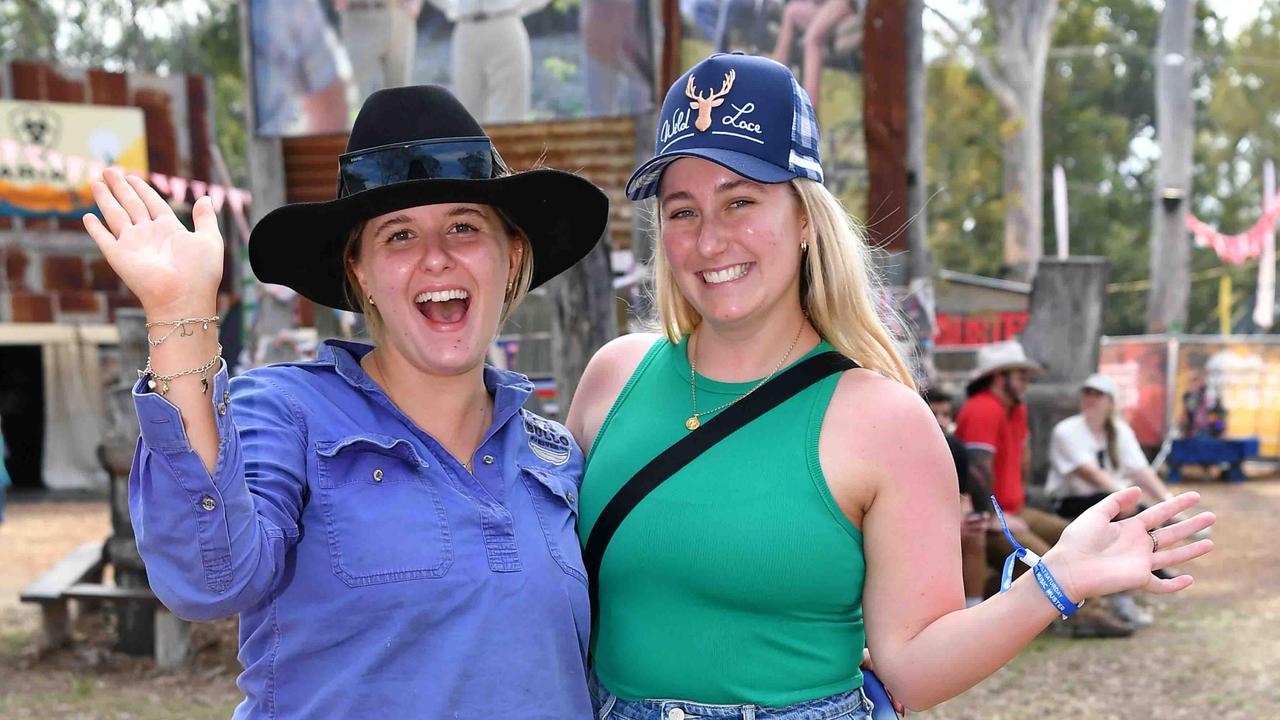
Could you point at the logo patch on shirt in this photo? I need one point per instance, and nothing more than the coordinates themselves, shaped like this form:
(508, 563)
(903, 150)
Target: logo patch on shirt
(549, 443)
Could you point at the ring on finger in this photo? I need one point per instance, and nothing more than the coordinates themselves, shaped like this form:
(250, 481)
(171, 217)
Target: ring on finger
(1155, 542)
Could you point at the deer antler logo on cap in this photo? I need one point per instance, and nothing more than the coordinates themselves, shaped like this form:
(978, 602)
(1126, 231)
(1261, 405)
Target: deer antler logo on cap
(704, 105)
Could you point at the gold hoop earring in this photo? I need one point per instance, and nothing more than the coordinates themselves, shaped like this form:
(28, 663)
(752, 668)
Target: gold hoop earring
(804, 246)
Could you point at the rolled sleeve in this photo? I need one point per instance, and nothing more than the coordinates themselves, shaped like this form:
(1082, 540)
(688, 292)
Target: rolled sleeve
(214, 544)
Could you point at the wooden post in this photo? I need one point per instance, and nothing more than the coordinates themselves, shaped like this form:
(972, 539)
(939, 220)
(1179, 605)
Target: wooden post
(917, 234)
(583, 317)
(135, 628)
(1175, 120)
(884, 104)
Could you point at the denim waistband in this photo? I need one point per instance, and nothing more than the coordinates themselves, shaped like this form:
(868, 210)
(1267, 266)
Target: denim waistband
(852, 705)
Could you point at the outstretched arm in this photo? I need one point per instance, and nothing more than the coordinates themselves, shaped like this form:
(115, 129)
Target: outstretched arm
(927, 647)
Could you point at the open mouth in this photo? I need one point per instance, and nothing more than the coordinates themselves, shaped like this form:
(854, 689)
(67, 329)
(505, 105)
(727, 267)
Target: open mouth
(729, 274)
(444, 307)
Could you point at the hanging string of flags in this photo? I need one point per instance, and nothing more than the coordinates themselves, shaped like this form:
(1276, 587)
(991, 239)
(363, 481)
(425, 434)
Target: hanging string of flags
(1241, 248)
(76, 171)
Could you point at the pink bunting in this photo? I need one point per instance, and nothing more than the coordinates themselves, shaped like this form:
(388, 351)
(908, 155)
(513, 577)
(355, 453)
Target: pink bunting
(1236, 249)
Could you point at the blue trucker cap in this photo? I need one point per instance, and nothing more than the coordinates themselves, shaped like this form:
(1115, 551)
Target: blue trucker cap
(744, 112)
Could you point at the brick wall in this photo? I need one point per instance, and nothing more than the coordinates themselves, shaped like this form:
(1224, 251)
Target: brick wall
(50, 270)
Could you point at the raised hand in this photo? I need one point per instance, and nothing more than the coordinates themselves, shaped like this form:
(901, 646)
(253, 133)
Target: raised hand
(172, 270)
(1096, 556)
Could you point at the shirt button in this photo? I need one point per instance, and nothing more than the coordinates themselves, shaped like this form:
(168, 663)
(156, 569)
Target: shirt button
(208, 504)
(675, 714)
(226, 396)
(222, 408)
(487, 459)
(377, 475)
(570, 498)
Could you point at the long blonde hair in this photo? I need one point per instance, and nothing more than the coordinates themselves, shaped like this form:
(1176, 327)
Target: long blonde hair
(838, 290)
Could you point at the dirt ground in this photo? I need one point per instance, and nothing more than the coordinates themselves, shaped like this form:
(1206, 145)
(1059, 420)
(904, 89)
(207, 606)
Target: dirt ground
(1213, 652)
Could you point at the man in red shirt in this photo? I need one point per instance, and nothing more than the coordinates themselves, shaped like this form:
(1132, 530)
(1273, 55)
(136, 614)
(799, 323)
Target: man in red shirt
(993, 427)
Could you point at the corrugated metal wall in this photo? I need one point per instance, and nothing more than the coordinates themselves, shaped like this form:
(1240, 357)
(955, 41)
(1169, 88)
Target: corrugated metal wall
(600, 149)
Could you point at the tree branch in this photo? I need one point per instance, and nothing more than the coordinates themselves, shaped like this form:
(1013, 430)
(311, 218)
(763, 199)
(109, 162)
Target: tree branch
(996, 84)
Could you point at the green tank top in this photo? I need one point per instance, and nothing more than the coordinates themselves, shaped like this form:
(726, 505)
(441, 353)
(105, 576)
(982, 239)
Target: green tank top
(739, 579)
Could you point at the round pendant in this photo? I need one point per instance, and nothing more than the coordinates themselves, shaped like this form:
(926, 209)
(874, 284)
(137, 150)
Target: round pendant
(692, 423)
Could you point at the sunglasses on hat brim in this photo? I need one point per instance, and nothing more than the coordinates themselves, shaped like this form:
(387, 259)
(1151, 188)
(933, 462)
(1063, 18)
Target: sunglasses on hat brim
(472, 158)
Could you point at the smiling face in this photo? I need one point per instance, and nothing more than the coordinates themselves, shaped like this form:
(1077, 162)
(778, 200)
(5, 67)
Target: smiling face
(438, 277)
(733, 245)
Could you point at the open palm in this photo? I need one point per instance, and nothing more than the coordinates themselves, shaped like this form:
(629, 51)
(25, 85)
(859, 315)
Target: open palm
(163, 263)
(1106, 556)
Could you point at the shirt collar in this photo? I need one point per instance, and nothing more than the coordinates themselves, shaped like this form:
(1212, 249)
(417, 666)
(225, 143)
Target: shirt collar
(509, 389)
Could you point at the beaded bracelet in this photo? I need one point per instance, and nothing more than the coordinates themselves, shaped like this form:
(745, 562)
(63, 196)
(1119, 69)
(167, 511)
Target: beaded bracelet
(160, 383)
(180, 327)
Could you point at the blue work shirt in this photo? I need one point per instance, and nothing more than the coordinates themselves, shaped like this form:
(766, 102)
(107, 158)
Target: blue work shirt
(375, 577)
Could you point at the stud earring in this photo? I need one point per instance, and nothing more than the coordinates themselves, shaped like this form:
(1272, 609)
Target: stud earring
(511, 286)
(371, 302)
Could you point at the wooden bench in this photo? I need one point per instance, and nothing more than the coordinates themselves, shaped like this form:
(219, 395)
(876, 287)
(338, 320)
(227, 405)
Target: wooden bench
(84, 563)
(78, 577)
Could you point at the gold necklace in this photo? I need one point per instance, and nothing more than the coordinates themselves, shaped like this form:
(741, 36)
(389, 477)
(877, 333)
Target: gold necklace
(693, 423)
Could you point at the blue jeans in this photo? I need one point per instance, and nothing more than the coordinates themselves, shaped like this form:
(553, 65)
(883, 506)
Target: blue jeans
(852, 705)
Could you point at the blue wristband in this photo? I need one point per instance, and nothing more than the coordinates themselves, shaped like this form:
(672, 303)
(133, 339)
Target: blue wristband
(1048, 583)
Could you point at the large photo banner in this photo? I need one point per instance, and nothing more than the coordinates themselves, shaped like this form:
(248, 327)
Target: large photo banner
(509, 61)
(1140, 368)
(821, 41)
(1240, 378)
(49, 152)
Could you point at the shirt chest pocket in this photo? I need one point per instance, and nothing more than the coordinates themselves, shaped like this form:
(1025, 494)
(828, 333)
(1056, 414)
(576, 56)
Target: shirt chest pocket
(384, 519)
(555, 500)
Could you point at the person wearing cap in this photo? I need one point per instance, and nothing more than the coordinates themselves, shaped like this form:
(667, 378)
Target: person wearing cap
(1093, 454)
(394, 530)
(748, 583)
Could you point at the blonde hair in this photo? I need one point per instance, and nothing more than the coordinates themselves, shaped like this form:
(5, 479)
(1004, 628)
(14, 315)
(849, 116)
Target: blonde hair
(373, 319)
(839, 288)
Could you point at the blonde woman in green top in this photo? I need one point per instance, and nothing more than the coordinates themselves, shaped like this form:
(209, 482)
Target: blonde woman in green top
(747, 584)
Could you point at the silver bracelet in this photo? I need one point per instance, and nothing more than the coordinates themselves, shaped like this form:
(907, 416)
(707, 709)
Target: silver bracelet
(160, 383)
(180, 327)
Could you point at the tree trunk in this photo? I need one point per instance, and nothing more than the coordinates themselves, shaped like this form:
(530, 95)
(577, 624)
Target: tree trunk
(1175, 118)
(917, 182)
(1024, 30)
(583, 317)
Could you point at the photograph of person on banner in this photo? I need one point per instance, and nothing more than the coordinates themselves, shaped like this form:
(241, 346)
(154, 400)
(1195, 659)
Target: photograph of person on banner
(509, 61)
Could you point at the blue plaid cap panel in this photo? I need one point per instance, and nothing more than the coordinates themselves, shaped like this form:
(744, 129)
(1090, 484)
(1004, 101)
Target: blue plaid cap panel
(805, 159)
(644, 183)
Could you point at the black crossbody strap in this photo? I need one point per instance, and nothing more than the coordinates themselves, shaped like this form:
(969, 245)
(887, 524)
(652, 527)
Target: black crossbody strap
(768, 396)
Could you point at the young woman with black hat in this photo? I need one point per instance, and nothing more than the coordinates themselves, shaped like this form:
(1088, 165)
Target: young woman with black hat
(395, 531)
(735, 582)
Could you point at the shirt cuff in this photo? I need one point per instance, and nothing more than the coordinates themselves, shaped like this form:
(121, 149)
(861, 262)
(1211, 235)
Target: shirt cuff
(161, 421)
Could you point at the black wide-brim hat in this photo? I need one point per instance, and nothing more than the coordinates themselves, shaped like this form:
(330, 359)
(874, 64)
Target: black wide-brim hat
(300, 245)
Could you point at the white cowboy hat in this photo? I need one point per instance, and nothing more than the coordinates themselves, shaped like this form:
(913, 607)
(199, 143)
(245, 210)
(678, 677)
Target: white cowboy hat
(1001, 356)
(1101, 383)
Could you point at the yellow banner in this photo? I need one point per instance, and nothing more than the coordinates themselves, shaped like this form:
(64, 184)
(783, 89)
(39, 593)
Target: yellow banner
(50, 151)
(1245, 378)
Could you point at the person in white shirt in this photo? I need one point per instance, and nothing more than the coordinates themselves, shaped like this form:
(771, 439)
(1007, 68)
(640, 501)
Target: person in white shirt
(492, 61)
(1095, 453)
